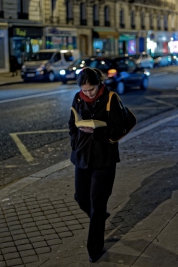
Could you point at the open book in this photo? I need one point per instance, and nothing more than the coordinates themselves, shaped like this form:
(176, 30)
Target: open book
(87, 123)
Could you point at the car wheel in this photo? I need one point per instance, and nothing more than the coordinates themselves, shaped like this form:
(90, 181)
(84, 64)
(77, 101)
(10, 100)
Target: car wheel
(144, 84)
(120, 89)
(51, 76)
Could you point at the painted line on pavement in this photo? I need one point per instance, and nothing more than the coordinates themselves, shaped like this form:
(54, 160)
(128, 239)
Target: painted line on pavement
(22, 147)
(160, 101)
(36, 96)
(159, 74)
(63, 164)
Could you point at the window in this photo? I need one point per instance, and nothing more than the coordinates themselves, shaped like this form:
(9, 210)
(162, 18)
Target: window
(165, 22)
(132, 19)
(68, 56)
(142, 20)
(69, 9)
(131, 65)
(57, 57)
(151, 21)
(95, 15)
(158, 22)
(53, 6)
(23, 6)
(1, 9)
(121, 65)
(104, 64)
(83, 20)
(122, 18)
(106, 16)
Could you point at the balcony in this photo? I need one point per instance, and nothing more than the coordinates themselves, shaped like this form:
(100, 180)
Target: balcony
(21, 15)
(122, 25)
(70, 21)
(54, 20)
(107, 23)
(96, 23)
(158, 3)
(2, 14)
(132, 26)
(159, 28)
(166, 28)
(83, 22)
(143, 27)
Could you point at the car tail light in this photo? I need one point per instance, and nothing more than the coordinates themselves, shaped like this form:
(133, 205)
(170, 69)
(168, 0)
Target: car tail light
(112, 73)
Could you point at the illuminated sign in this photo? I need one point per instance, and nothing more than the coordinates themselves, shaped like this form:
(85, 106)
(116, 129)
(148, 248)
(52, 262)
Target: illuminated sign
(20, 32)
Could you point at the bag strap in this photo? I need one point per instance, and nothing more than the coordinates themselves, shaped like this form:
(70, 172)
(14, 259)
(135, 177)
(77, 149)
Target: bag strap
(108, 105)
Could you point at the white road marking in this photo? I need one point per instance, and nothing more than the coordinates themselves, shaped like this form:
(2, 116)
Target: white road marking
(35, 96)
(160, 101)
(159, 74)
(63, 164)
(22, 147)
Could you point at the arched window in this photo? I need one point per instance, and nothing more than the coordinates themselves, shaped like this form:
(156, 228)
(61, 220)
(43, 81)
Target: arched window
(132, 19)
(142, 20)
(22, 7)
(122, 25)
(96, 15)
(69, 11)
(106, 16)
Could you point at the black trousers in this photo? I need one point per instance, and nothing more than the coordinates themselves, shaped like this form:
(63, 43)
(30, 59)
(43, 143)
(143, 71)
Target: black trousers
(92, 190)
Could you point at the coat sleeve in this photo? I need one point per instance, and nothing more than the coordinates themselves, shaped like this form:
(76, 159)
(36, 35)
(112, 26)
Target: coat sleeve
(115, 120)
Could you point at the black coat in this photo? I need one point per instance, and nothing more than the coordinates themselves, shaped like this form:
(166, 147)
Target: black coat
(94, 149)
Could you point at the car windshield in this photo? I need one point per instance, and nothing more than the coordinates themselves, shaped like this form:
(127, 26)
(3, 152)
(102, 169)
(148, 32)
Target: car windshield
(81, 63)
(40, 56)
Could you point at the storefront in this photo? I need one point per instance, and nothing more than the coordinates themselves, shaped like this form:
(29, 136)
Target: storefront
(60, 38)
(127, 44)
(105, 41)
(4, 55)
(162, 42)
(24, 41)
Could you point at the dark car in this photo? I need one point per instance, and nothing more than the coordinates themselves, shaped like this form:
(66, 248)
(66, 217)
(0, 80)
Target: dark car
(120, 72)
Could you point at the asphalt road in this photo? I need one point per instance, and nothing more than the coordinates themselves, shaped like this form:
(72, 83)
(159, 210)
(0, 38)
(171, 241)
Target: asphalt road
(34, 116)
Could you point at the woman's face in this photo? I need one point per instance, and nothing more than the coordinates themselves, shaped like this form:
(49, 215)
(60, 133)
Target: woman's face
(90, 90)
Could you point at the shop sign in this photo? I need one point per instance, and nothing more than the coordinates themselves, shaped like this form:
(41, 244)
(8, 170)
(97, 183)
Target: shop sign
(20, 32)
(26, 31)
(60, 32)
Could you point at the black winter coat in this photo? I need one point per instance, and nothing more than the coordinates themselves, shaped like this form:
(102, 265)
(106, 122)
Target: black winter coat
(93, 149)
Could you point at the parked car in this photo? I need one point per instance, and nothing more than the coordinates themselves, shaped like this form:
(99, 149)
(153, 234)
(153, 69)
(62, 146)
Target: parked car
(162, 60)
(47, 63)
(120, 72)
(143, 60)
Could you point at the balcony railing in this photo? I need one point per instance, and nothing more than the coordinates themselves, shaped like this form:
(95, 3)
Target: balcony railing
(96, 23)
(161, 3)
(107, 23)
(1, 14)
(143, 27)
(122, 25)
(83, 22)
(132, 26)
(69, 20)
(21, 15)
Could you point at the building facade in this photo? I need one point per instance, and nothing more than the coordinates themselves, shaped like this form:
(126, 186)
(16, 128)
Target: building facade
(93, 26)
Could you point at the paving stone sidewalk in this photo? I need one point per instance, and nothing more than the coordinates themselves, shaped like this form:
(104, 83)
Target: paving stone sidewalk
(7, 78)
(41, 224)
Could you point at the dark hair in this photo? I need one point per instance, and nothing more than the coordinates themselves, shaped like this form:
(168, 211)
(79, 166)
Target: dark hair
(90, 75)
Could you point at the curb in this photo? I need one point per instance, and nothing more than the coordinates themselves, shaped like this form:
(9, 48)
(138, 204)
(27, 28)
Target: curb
(140, 129)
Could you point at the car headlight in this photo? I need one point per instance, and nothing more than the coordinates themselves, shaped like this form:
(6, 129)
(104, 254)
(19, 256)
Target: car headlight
(41, 68)
(62, 72)
(146, 72)
(78, 71)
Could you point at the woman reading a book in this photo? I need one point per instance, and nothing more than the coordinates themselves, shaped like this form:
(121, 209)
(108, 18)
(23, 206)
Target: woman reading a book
(93, 155)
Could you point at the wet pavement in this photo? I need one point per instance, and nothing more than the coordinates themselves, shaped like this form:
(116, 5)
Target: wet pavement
(42, 225)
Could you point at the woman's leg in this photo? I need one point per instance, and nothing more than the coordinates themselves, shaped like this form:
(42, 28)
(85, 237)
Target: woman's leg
(82, 188)
(101, 189)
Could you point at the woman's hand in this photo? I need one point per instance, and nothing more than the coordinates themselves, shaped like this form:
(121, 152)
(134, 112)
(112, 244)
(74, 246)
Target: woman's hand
(86, 129)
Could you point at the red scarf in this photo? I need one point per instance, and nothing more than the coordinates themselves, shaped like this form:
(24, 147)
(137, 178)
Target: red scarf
(91, 100)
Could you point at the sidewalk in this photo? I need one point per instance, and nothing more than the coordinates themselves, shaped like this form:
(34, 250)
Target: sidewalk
(6, 78)
(41, 224)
